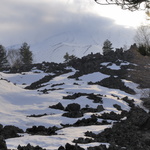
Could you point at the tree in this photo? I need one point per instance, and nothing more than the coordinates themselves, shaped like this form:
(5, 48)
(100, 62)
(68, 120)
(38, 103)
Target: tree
(14, 58)
(68, 57)
(142, 39)
(3, 58)
(107, 47)
(26, 54)
(126, 4)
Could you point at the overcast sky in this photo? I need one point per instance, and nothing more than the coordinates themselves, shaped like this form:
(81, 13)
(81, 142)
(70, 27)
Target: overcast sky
(35, 20)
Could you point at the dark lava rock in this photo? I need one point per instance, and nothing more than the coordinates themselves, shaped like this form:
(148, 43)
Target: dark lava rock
(58, 69)
(97, 98)
(74, 96)
(89, 109)
(73, 111)
(57, 106)
(132, 133)
(100, 108)
(112, 116)
(73, 107)
(70, 147)
(82, 140)
(40, 115)
(2, 144)
(86, 122)
(146, 102)
(103, 147)
(115, 83)
(118, 107)
(61, 148)
(39, 83)
(57, 84)
(10, 131)
(129, 101)
(29, 147)
(73, 114)
(41, 130)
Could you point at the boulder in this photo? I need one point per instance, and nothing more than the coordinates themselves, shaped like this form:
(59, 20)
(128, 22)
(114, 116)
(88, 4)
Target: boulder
(74, 107)
(57, 106)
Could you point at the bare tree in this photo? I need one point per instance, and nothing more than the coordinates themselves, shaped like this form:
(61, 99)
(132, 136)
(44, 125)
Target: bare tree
(143, 35)
(126, 4)
(14, 58)
(142, 39)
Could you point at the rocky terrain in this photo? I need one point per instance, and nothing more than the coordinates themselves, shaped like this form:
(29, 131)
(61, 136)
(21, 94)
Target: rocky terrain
(96, 95)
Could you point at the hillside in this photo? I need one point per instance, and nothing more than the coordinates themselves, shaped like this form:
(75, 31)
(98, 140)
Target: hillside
(79, 43)
(89, 103)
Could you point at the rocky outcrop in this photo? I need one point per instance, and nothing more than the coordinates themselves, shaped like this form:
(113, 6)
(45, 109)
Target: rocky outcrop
(114, 83)
(30, 147)
(74, 111)
(130, 134)
(10, 131)
(113, 116)
(97, 98)
(70, 147)
(41, 130)
(2, 143)
(57, 106)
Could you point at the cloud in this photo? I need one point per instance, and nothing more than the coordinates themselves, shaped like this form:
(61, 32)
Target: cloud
(34, 20)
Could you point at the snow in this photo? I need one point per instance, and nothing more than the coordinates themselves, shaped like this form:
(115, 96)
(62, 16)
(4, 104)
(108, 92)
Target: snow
(113, 66)
(94, 77)
(55, 47)
(17, 103)
(66, 135)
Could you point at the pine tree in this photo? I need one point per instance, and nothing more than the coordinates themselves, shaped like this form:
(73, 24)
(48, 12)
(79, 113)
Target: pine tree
(3, 58)
(107, 47)
(68, 57)
(26, 54)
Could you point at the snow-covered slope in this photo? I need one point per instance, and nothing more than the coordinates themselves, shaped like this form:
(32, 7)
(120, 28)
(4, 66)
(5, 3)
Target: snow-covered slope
(55, 47)
(78, 43)
(18, 103)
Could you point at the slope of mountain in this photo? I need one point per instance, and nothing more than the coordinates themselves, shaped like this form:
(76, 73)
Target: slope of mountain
(55, 47)
(57, 104)
(77, 43)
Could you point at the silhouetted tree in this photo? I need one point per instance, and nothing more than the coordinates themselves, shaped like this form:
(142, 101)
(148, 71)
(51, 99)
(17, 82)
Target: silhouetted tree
(26, 54)
(107, 47)
(3, 58)
(68, 57)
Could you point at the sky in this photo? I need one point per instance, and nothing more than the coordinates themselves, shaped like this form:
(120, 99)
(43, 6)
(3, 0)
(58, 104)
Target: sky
(32, 21)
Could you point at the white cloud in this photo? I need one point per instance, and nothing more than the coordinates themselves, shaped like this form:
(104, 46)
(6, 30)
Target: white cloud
(34, 20)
